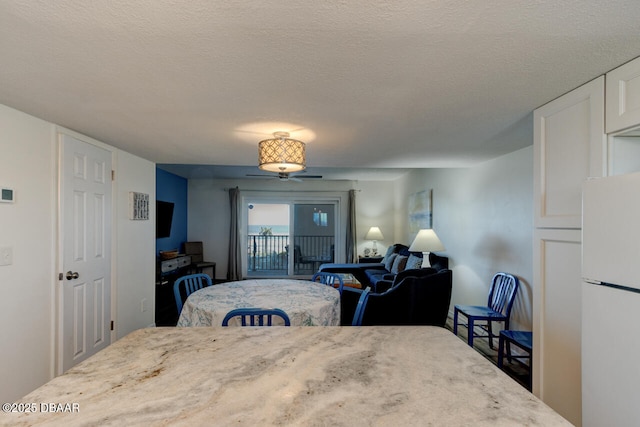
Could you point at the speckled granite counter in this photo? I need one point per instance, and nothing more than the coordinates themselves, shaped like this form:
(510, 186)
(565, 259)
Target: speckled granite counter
(329, 376)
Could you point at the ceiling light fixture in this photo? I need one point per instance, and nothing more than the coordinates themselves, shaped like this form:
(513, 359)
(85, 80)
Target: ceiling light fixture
(281, 154)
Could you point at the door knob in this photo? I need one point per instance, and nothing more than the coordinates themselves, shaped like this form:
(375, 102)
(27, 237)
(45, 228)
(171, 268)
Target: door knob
(72, 275)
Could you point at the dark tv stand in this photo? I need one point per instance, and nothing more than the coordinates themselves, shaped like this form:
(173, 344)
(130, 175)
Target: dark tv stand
(167, 272)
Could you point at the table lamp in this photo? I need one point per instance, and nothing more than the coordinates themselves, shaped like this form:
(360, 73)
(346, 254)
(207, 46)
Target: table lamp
(426, 241)
(374, 234)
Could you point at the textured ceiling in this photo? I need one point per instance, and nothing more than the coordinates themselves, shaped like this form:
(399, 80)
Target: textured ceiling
(368, 84)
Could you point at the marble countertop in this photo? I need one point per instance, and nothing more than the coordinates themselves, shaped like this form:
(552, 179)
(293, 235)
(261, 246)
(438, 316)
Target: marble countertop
(329, 376)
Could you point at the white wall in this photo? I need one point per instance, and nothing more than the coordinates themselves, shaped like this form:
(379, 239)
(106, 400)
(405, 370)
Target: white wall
(28, 164)
(484, 217)
(375, 207)
(134, 246)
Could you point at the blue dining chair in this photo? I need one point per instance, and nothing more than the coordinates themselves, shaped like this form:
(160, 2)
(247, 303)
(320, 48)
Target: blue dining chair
(186, 285)
(521, 339)
(502, 294)
(362, 303)
(329, 279)
(256, 316)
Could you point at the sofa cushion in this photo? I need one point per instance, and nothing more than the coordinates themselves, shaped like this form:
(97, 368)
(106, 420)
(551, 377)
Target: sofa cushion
(390, 250)
(403, 250)
(388, 264)
(399, 264)
(413, 262)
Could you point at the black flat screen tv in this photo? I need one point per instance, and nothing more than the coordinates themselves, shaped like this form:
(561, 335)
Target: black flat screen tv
(164, 217)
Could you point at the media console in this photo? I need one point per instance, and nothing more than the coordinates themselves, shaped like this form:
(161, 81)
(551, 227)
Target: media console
(167, 272)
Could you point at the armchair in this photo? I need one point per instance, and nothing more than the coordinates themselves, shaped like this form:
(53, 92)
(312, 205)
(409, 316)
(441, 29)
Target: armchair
(413, 301)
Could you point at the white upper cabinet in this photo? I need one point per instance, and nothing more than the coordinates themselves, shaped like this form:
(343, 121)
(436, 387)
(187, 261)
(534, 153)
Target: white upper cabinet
(569, 145)
(623, 96)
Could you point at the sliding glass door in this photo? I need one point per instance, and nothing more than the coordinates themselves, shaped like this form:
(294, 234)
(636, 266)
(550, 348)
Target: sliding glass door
(313, 237)
(268, 229)
(289, 238)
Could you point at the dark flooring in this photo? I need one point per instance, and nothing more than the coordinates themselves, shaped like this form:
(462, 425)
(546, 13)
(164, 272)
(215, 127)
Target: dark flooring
(515, 369)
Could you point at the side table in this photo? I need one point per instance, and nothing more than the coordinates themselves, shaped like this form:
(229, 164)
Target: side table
(369, 259)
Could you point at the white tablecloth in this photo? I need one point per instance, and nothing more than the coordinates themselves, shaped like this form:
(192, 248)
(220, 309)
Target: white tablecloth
(305, 302)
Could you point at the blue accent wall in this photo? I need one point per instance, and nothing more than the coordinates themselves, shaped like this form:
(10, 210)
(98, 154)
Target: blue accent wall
(173, 188)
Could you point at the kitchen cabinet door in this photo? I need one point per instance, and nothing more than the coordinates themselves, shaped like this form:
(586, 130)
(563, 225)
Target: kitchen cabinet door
(557, 320)
(569, 145)
(623, 97)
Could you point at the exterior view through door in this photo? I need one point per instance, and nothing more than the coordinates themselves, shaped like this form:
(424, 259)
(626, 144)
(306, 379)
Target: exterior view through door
(289, 239)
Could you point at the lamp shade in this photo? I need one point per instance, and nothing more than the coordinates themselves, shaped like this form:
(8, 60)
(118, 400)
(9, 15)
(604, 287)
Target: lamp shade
(374, 233)
(426, 241)
(281, 154)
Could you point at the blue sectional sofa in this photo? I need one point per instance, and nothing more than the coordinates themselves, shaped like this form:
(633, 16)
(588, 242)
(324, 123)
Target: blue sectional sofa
(397, 264)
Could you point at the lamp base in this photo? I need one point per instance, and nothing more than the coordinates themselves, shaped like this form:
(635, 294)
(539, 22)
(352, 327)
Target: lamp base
(425, 260)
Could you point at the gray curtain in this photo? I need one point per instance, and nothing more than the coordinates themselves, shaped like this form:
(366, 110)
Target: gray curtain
(352, 241)
(234, 266)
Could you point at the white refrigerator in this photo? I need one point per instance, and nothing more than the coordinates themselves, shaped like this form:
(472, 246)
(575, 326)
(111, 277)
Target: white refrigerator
(611, 301)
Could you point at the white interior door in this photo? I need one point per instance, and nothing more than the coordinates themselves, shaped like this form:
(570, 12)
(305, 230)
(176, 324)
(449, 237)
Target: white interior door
(85, 233)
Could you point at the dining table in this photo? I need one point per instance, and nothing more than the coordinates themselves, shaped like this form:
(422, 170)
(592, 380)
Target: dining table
(288, 376)
(306, 303)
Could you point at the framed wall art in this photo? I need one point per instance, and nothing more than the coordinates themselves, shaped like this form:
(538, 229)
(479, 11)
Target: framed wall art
(420, 211)
(138, 206)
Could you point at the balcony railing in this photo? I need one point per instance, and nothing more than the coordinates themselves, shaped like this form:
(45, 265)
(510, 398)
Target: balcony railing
(269, 255)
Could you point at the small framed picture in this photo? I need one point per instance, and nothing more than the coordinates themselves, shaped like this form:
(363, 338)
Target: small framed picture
(138, 206)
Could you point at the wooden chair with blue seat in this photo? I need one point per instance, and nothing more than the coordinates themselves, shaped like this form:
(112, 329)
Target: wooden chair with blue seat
(502, 293)
(256, 316)
(329, 279)
(186, 285)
